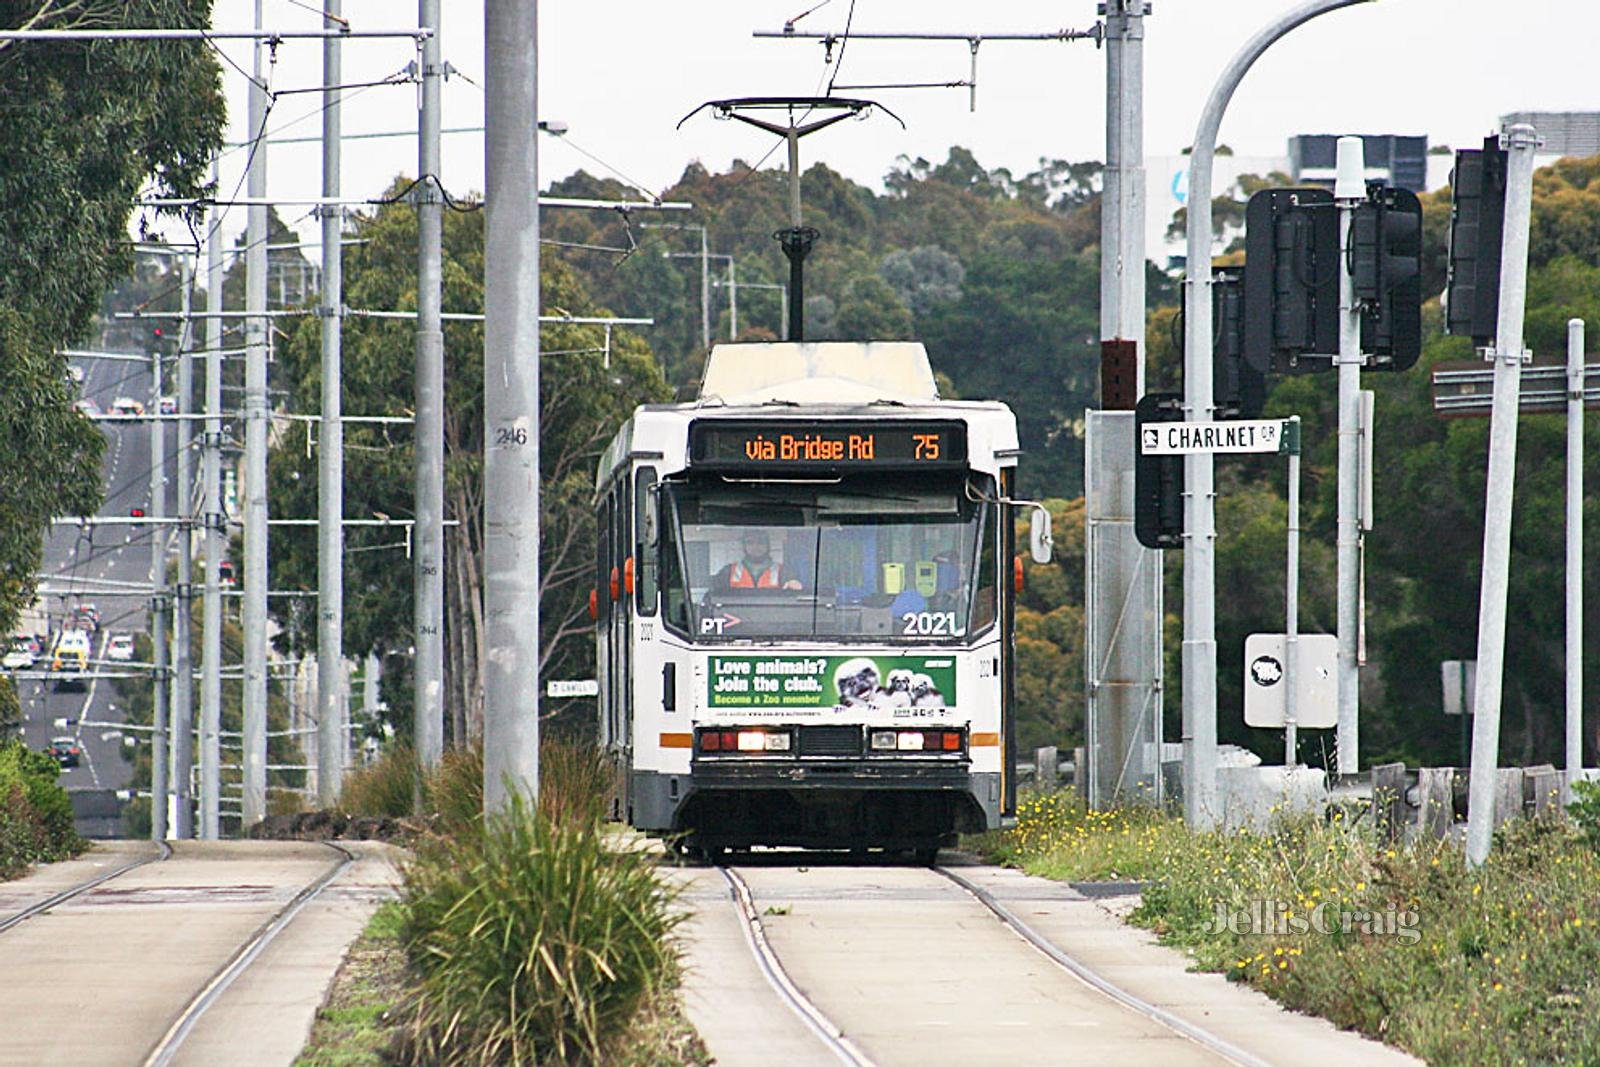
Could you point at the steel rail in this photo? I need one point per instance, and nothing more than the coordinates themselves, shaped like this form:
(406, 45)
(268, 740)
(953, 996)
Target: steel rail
(772, 967)
(167, 1047)
(17, 918)
(1183, 1027)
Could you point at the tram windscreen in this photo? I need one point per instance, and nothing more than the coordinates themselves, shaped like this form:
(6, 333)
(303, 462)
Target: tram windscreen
(868, 558)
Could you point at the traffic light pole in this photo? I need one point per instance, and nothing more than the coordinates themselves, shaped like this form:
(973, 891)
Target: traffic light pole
(1201, 808)
(1291, 604)
(1350, 190)
(1520, 142)
(1574, 551)
(215, 546)
(182, 705)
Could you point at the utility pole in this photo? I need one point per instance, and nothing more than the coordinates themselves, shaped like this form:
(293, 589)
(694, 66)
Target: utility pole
(1574, 552)
(215, 546)
(1520, 142)
(183, 603)
(428, 552)
(705, 292)
(330, 454)
(1200, 801)
(158, 607)
(1350, 189)
(255, 457)
(511, 403)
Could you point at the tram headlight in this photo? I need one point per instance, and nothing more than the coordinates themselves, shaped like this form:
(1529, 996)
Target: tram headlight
(883, 740)
(909, 741)
(931, 740)
(746, 742)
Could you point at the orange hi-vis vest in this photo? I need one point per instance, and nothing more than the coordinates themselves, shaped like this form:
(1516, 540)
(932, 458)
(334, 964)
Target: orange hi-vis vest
(739, 577)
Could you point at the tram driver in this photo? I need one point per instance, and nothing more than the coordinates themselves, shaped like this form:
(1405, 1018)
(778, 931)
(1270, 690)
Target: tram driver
(755, 569)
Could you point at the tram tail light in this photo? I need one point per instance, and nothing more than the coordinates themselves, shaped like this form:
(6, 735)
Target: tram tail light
(745, 742)
(932, 740)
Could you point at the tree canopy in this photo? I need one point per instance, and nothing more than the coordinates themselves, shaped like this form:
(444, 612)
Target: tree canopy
(88, 124)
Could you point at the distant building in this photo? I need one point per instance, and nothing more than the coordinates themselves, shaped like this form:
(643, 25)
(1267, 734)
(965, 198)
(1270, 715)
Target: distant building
(1565, 133)
(1402, 161)
(1167, 190)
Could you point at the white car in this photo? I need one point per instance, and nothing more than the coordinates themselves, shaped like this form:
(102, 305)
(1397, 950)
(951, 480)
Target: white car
(74, 373)
(19, 657)
(126, 405)
(87, 407)
(169, 405)
(120, 648)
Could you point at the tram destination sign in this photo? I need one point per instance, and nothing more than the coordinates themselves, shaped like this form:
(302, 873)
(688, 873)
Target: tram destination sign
(831, 444)
(1232, 436)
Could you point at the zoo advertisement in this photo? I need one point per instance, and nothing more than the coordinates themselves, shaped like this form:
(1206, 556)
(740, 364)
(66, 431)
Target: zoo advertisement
(866, 683)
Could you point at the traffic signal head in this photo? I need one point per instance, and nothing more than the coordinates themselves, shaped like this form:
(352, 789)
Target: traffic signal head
(1386, 264)
(1477, 222)
(1157, 480)
(1238, 390)
(1291, 286)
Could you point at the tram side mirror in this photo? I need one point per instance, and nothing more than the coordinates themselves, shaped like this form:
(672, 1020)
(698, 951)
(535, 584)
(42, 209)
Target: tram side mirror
(1040, 540)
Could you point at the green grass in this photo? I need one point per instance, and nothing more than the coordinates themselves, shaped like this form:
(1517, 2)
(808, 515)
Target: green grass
(1459, 966)
(356, 1026)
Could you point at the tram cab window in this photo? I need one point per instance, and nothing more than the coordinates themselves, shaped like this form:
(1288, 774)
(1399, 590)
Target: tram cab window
(647, 534)
(901, 559)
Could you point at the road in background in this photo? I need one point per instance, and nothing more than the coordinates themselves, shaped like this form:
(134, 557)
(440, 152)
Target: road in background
(84, 558)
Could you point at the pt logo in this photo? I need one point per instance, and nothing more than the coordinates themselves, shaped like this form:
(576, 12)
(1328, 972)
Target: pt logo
(1266, 671)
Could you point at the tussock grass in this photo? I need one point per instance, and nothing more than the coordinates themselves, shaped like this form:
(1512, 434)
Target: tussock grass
(1498, 965)
(530, 938)
(386, 786)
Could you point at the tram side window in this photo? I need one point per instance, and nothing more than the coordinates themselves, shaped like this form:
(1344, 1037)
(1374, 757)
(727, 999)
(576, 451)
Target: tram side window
(646, 533)
(602, 561)
(675, 601)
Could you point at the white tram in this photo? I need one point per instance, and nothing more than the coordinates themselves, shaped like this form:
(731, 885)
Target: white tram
(805, 587)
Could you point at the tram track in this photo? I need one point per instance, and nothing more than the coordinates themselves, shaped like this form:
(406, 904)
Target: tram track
(171, 1042)
(773, 970)
(1078, 969)
(846, 1050)
(57, 899)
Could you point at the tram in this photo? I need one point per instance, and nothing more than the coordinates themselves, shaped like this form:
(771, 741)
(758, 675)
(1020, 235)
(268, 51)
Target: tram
(805, 585)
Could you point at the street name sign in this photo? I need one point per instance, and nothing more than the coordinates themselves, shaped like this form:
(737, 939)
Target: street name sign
(580, 687)
(1232, 436)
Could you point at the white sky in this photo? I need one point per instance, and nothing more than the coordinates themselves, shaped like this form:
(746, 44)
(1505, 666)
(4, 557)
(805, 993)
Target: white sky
(622, 74)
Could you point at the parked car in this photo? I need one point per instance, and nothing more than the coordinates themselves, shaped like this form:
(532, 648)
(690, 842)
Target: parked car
(65, 750)
(126, 405)
(74, 374)
(20, 656)
(169, 405)
(87, 407)
(87, 616)
(120, 648)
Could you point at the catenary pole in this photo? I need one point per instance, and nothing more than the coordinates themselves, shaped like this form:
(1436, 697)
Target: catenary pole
(511, 403)
(427, 558)
(1520, 142)
(215, 545)
(1350, 189)
(254, 807)
(1574, 552)
(183, 603)
(330, 453)
(158, 608)
(1122, 295)
(705, 291)
(1201, 809)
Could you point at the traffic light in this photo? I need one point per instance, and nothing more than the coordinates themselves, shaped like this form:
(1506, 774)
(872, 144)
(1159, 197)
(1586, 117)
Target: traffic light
(1386, 265)
(1477, 222)
(1238, 390)
(1291, 284)
(1157, 480)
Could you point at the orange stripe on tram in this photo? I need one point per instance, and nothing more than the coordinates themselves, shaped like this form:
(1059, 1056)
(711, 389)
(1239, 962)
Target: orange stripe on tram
(985, 740)
(677, 740)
